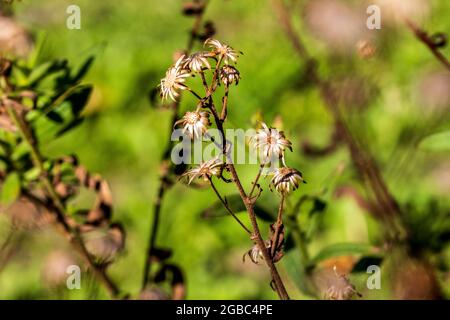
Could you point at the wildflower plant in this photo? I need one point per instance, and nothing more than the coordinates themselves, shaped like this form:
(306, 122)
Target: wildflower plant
(219, 64)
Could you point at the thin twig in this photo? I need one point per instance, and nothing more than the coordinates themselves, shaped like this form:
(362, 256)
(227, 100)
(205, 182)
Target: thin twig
(224, 112)
(59, 210)
(227, 207)
(163, 185)
(278, 225)
(255, 183)
(425, 38)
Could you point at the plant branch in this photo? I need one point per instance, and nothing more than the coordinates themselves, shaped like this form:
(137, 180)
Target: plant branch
(58, 208)
(163, 185)
(249, 204)
(255, 183)
(428, 41)
(224, 112)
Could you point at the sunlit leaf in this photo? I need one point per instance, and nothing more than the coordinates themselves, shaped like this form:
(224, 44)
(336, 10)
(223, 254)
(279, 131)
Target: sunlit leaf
(436, 142)
(10, 189)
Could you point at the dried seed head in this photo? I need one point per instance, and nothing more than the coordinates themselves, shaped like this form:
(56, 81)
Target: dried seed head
(286, 180)
(28, 214)
(104, 243)
(270, 143)
(340, 288)
(205, 170)
(255, 252)
(229, 74)
(174, 80)
(195, 123)
(222, 49)
(197, 62)
(13, 38)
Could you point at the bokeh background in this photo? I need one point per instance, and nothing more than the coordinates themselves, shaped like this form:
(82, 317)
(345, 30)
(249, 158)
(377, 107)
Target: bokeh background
(393, 99)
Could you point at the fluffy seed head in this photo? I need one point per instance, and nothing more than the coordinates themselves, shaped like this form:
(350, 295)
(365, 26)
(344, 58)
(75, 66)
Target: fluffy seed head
(195, 123)
(270, 143)
(205, 170)
(222, 49)
(174, 80)
(197, 62)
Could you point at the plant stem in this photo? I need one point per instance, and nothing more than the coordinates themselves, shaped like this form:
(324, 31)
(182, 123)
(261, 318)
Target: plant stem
(425, 39)
(249, 204)
(224, 112)
(279, 285)
(278, 225)
(258, 175)
(58, 208)
(227, 207)
(163, 185)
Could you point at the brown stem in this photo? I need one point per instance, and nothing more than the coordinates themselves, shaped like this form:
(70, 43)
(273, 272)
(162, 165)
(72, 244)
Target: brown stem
(278, 282)
(163, 186)
(255, 183)
(424, 38)
(205, 84)
(224, 113)
(278, 225)
(249, 204)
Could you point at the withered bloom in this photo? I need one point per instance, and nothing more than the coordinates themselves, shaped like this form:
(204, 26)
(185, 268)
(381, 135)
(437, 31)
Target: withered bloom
(174, 80)
(270, 143)
(255, 252)
(229, 75)
(340, 288)
(197, 62)
(222, 49)
(286, 180)
(205, 170)
(195, 123)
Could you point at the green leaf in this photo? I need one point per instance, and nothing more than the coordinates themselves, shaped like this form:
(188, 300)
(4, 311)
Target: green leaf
(39, 73)
(32, 174)
(84, 69)
(436, 142)
(342, 249)
(10, 189)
